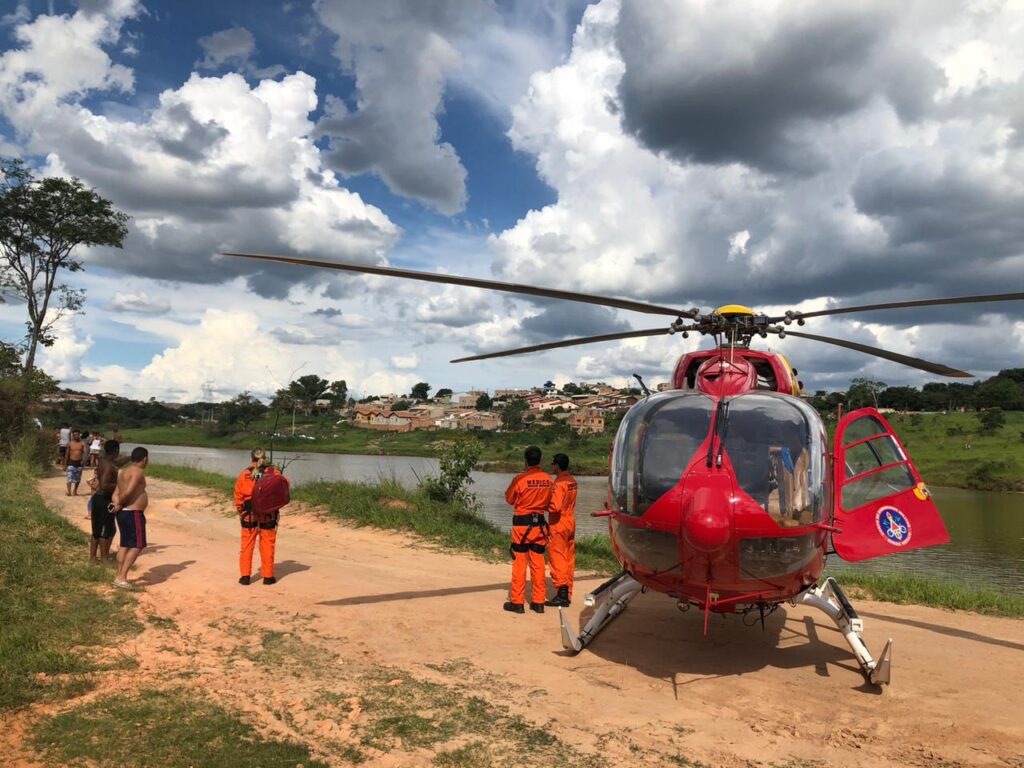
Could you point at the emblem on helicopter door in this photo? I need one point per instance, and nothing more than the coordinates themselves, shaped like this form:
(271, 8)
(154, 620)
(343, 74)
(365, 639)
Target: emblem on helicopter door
(893, 525)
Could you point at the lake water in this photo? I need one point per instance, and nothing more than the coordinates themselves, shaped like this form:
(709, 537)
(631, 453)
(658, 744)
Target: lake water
(987, 529)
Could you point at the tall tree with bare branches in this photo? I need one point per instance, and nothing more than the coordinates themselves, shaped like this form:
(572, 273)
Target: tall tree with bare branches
(42, 222)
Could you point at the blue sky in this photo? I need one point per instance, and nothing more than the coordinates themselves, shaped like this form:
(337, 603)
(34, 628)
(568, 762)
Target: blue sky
(666, 151)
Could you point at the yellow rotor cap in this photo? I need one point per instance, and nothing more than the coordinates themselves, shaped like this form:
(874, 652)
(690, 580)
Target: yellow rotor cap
(734, 310)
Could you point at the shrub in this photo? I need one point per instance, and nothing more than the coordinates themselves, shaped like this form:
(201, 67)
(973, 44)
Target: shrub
(456, 460)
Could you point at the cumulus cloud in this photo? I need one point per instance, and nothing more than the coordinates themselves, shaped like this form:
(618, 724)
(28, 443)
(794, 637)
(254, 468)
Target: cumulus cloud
(186, 170)
(139, 303)
(400, 55)
(702, 83)
(405, 362)
(695, 177)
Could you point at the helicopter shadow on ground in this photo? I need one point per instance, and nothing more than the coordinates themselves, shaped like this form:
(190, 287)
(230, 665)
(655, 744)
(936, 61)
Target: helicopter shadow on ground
(655, 638)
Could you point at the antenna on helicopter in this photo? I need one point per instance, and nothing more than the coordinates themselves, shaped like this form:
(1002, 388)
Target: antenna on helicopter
(642, 385)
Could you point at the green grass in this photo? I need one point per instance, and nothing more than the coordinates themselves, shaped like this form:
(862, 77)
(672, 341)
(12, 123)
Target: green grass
(192, 476)
(161, 728)
(401, 711)
(938, 442)
(922, 590)
(55, 618)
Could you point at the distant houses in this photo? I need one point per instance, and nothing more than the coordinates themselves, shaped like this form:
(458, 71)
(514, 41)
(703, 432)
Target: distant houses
(584, 413)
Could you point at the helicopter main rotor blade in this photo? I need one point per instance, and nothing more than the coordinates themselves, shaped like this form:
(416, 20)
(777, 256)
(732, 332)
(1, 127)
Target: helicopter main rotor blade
(472, 282)
(919, 303)
(567, 343)
(913, 362)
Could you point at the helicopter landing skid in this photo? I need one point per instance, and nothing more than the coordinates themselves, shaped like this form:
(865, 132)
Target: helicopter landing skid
(610, 600)
(830, 599)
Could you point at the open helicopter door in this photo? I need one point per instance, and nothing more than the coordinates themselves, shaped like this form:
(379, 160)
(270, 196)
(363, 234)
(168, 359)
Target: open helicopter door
(881, 505)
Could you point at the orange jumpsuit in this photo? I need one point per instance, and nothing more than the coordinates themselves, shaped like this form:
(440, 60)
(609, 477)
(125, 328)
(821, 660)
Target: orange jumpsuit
(265, 531)
(562, 542)
(529, 493)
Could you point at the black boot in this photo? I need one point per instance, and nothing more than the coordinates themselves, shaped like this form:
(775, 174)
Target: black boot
(561, 598)
(537, 607)
(514, 607)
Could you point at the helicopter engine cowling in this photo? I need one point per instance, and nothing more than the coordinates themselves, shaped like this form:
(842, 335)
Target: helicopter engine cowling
(707, 519)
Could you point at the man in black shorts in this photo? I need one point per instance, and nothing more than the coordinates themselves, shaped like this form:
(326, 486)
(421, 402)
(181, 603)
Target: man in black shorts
(101, 504)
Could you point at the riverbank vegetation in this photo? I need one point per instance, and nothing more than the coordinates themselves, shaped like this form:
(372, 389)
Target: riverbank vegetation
(949, 449)
(388, 506)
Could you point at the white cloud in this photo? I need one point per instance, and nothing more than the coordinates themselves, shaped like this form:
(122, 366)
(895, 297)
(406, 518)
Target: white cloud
(405, 362)
(138, 302)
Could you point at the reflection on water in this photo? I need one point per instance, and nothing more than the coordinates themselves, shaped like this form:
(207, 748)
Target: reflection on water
(987, 529)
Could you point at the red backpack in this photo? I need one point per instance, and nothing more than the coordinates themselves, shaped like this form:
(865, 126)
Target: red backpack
(269, 494)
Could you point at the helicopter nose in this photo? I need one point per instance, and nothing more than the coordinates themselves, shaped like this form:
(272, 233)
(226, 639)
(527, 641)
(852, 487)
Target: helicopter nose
(706, 520)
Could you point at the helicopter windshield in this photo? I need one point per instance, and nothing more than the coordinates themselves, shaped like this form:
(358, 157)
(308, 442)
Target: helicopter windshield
(655, 442)
(776, 444)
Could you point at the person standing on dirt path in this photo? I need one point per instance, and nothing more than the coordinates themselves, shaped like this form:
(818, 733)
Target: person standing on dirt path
(73, 458)
(102, 502)
(529, 493)
(562, 543)
(257, 525)
(64, 437)
(129, 504)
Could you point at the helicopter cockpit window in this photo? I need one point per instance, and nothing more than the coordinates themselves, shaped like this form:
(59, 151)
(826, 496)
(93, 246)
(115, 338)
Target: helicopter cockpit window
(777, 449)
(656, 441)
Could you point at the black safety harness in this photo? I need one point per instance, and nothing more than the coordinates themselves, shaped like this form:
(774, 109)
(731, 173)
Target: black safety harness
(531, 521)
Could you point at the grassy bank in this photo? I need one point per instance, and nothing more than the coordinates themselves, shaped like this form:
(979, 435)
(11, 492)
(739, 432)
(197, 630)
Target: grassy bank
(388, 506)
(921, 590)
(950, 450)
(58, 623)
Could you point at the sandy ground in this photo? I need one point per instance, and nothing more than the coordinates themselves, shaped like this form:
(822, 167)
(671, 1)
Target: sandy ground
(651, 687)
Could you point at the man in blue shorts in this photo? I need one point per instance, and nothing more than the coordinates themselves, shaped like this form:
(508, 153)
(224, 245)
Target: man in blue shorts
(130, 502)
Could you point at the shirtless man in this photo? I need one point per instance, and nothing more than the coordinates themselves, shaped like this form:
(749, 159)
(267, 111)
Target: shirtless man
(130, 502)
(73, 462)
(101, 516)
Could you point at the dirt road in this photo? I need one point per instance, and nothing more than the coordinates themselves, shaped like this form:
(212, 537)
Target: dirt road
(652, 690)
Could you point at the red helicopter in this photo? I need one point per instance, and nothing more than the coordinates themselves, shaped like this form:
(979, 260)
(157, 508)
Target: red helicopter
(724, 492)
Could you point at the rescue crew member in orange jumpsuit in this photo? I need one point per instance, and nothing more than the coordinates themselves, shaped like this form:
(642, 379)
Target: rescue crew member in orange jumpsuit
(529, 493)
(562, 539)
(265, 531)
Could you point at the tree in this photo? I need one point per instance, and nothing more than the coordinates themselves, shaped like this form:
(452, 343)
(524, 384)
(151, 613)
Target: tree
(242, 410)
(421, 391)
(41, 224)
(339, 393)
(1000, 392)
(991, 419)
(512, 414)
(442, 393)
(484, 402)
(306, 390)
(400, 405)
(864, 393)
